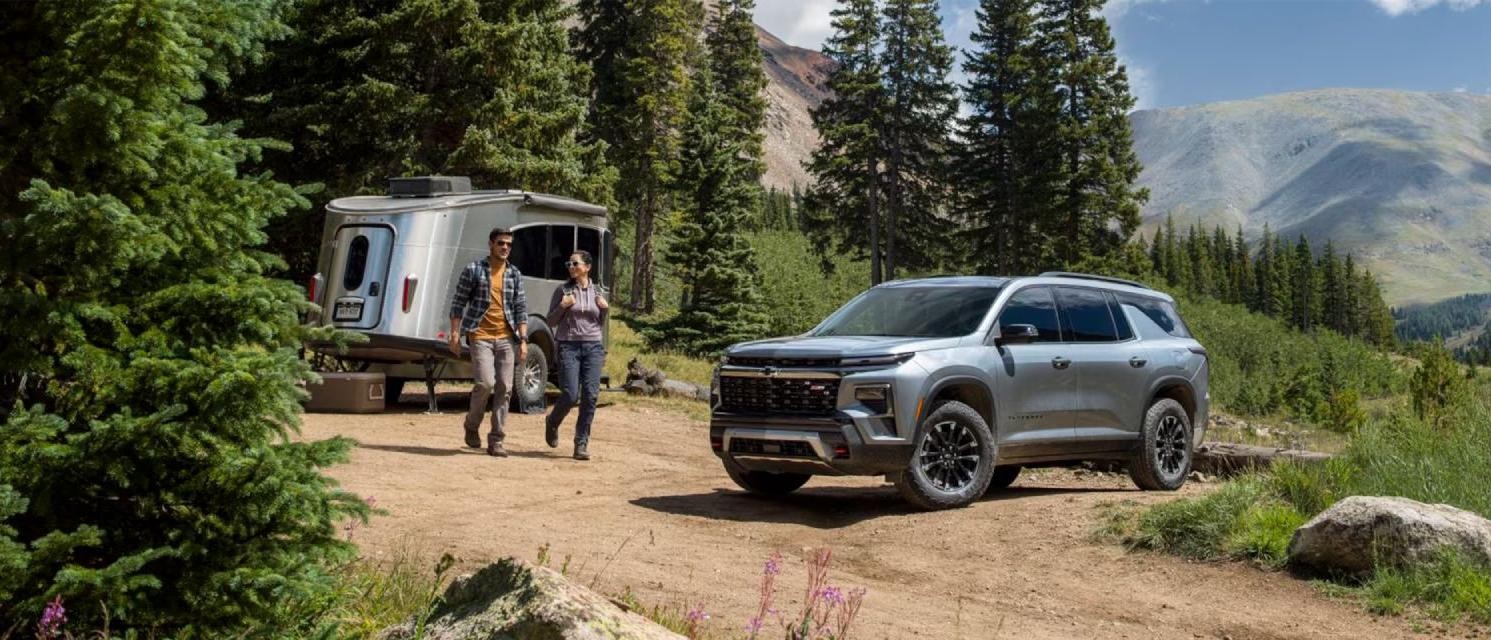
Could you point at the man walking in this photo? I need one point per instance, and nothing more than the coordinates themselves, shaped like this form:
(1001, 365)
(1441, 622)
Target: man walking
(489, 307)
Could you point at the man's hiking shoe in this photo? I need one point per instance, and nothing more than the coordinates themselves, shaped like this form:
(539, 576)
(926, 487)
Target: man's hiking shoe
(581, 453)
(551, 435)
(473, 439)
(495, 450)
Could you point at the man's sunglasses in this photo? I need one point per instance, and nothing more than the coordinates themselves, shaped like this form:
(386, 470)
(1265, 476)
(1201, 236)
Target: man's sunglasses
(573, 263)
(504, 243)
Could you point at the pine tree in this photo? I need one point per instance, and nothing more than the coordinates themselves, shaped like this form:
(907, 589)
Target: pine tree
(1306, 297)
(367, 91)
(148, 367)
(842, 212)
(1333, 310)
(710, 254)
(641, 60)
(735, 59)
(920, 104)
(1099, 202)
(1242, 276)
(1001, 169)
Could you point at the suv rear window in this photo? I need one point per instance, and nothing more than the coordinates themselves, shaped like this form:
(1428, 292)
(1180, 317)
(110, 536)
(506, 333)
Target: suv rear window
(1160, 312)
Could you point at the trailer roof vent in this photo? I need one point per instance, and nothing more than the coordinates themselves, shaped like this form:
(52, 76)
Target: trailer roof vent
(427, 186)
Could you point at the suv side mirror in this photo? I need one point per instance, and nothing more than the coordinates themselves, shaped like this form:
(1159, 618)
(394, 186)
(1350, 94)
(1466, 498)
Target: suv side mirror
(1017, 334)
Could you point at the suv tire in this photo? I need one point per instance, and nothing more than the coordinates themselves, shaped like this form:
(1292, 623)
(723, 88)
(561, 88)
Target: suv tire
(766, 483)
(1164, 456)
(951, 438)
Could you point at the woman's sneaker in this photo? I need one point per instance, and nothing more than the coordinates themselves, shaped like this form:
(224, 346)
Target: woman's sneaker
(551, 435)
(581, 452)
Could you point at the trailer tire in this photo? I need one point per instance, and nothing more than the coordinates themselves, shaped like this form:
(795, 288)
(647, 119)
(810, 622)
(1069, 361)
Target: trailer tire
(529, 382)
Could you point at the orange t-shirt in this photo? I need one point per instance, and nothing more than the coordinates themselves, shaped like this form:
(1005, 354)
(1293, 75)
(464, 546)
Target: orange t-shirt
(494, 324)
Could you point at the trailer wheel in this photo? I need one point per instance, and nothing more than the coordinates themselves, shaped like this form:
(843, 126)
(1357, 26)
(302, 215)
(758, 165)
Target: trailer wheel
(529, 381)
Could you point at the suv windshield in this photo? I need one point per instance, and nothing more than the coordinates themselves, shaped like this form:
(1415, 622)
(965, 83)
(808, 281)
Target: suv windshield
(919, 312)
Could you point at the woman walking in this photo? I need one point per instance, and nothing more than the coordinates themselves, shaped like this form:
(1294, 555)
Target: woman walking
(576, 313)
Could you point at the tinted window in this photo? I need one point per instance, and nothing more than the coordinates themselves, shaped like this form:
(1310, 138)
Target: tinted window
(590, 240)
(561, 245)
(1086, 315)
(1125, 332)
(1033, 306)
(1160, 312)
(529, 244)
(924, 312)
(357, 262)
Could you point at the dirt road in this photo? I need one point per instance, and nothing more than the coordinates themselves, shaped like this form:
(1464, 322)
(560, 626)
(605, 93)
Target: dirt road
(654, 511)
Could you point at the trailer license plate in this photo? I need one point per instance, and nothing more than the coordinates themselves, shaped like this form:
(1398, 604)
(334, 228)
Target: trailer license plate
(348, 310)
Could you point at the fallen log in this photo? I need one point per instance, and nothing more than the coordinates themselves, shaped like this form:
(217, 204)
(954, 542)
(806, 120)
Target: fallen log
(1230, 458)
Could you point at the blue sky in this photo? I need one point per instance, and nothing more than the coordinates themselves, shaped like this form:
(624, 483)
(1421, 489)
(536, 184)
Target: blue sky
(1182, 52)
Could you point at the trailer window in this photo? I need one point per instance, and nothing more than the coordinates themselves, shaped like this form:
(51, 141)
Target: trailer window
(561, 246)
(357, 262)
(529, 244)
(590, 240)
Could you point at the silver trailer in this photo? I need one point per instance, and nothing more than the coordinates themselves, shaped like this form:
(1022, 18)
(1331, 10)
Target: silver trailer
(389, 265)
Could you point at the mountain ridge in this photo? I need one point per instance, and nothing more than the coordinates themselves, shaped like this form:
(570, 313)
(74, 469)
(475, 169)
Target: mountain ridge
(1400, 179)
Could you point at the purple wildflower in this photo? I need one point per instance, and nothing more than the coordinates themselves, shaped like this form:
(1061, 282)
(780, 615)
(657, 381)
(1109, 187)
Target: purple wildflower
(831, 595)
(52, 619)
(773, 564)
(754, 626)
(697, 615)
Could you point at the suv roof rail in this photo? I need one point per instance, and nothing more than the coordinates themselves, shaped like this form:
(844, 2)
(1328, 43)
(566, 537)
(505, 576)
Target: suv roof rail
(1088, 276)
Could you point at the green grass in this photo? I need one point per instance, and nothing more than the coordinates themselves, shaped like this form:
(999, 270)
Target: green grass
(373, 595)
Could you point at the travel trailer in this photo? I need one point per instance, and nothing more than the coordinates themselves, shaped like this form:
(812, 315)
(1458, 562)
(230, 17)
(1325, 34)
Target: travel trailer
(389, 265)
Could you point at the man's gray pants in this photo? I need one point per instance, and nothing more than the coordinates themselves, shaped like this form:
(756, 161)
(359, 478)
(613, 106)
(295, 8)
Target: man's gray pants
(493, 361)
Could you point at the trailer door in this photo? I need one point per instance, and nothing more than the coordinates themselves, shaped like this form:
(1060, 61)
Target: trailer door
(360, 275)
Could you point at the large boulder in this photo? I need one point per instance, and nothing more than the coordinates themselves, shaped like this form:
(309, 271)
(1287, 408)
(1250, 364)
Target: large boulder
(512, 600)
(1359, 532)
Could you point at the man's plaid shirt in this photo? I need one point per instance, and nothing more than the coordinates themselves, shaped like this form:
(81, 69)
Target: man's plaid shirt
(474, 295)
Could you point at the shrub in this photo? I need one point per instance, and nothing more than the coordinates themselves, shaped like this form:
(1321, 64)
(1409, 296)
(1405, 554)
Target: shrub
(1436, 386)
(1343, 413)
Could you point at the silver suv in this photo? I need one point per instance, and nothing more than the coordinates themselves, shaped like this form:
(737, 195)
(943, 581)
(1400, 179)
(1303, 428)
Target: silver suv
(950, 386)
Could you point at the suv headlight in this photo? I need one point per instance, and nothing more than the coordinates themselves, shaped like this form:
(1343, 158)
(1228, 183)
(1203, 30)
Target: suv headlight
(876, 397)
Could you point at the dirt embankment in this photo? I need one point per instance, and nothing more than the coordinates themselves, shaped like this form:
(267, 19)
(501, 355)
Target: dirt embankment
(654, 511)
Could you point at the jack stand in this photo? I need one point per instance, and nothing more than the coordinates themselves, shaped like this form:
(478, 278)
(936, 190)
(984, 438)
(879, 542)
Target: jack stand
(434, 407)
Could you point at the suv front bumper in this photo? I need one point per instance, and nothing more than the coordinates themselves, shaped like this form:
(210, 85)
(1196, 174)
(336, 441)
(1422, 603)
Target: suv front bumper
(824, 446)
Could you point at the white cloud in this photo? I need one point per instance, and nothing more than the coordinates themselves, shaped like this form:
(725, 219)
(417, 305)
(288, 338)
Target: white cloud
(804, 23)
(1400, 7)
(1114, 9)
(1143, 84)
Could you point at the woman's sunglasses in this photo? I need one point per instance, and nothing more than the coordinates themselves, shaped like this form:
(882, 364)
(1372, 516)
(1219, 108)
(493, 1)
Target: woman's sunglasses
(573, 263)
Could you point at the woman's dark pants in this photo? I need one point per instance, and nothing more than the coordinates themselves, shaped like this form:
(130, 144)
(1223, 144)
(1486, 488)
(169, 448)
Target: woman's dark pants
(579, 382)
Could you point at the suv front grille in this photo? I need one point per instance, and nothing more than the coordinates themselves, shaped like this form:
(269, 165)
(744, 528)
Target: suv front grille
(786, 448)
(779, 396)
(819, 363)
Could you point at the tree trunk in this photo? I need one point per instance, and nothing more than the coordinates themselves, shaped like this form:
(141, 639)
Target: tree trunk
(642, 298)
(870, 198)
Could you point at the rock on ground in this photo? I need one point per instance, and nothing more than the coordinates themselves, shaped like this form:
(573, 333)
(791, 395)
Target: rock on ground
(1358, 532)
(512, 600)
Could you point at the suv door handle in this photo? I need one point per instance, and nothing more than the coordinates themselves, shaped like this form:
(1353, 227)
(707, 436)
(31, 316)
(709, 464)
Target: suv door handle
(1137, 362)
(1060, 362)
